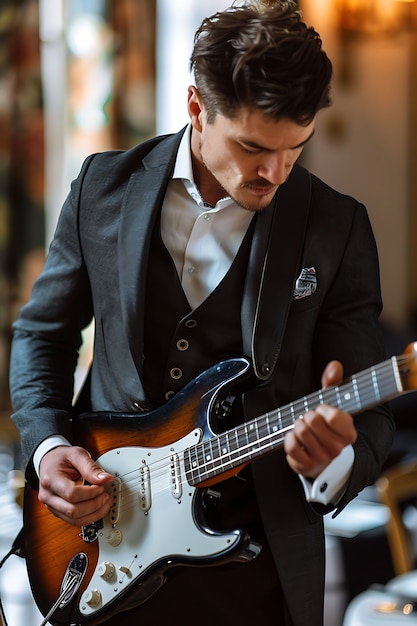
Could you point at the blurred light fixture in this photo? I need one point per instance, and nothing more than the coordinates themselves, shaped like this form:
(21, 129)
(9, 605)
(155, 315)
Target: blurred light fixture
(369, 20)
(362, 18)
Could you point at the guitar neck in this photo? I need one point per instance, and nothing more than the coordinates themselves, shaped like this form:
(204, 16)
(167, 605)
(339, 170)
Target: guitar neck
(266, 433)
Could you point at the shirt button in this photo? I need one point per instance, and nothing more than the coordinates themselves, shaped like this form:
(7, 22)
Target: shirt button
(176, 373)
(207, 217)
(323, 487)
(190, 323)
(191, 269)
(182, 344)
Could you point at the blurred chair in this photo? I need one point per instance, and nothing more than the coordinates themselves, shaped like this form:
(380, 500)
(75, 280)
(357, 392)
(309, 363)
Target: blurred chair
(397, 488)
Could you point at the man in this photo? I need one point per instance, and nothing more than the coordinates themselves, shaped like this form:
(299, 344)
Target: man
(173, 249)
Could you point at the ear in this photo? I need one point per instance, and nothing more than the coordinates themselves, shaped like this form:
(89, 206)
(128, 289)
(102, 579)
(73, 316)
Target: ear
(195, 108)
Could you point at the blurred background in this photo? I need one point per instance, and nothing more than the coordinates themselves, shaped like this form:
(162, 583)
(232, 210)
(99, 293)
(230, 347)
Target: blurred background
(81, 76)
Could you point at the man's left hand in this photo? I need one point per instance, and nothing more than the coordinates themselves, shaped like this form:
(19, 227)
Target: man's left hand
(320, 435)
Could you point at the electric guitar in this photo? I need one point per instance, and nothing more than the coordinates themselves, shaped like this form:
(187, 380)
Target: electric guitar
(162, 461)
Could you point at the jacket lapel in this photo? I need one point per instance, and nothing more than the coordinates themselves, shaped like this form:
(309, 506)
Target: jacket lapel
(141, 204)
(273, 268)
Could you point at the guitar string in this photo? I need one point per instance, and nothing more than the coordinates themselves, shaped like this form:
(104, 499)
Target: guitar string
(250, 444)
(249, 453)
(289, 411)
(221, 463)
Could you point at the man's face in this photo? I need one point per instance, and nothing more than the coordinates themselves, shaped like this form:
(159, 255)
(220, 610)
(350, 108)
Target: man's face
(247, 157)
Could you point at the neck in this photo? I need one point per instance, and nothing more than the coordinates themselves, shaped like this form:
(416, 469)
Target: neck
(210, 189)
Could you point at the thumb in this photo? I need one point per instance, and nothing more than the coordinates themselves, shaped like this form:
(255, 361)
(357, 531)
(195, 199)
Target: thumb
(92, 472)
(333, 374)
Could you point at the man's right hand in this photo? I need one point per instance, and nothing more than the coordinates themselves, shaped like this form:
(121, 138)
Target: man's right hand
(72, 486)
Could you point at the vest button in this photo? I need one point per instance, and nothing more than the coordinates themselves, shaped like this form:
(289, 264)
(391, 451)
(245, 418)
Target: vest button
(182, 344)
(176, 373)
(190, 323)
(169, 394)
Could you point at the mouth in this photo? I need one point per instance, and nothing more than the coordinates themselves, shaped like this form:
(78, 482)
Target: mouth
(261, 190)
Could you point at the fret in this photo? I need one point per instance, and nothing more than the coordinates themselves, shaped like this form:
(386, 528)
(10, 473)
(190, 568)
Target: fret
(299, 409)
(338, 398)
(242, 439)
(375, 384)
(279, 425)
(207, 456)
(225, 457)
(253, 439)
(192, 465)
(223, 444)
(268, 426)
(365, 388)
(263, 429)
(234, 444)
(356, 392)
(389, 378)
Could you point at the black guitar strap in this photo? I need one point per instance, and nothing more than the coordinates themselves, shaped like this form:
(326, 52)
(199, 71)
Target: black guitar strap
(274, 264)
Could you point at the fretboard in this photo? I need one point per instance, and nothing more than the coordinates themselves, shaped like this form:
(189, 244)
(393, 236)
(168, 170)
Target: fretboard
(266, 433)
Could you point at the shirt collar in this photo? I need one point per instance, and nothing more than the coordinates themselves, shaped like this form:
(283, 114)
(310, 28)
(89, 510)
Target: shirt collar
(183, 170)
(183, 165)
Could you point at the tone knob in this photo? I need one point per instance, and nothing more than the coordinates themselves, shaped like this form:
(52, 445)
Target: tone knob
(106, 570)
(114, 537)
(92, 597)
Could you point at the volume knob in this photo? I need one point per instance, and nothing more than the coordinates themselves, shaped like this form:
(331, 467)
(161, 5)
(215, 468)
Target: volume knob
(114, 537)
(92, 597)
(106, 570)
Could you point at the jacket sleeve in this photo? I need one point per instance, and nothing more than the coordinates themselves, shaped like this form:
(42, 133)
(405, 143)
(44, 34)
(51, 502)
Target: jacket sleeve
(47, 335)
(348, 329)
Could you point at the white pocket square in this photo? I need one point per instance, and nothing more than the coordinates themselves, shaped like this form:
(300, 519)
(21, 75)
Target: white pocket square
(306, 283)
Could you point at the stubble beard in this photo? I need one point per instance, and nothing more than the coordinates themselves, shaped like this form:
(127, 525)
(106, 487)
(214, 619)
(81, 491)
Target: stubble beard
(261, 182)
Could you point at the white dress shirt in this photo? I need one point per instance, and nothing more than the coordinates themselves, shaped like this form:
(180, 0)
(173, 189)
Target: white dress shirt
(203, 241)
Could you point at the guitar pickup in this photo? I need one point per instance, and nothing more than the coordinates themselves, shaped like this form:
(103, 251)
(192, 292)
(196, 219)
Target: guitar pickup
(175, 478)
(145, 499)
(114, 490)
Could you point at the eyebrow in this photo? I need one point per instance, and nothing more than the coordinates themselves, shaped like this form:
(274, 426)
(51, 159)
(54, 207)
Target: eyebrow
(254, 144)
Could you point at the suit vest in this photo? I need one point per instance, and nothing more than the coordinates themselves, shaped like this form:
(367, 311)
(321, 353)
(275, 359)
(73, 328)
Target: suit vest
(183, 343)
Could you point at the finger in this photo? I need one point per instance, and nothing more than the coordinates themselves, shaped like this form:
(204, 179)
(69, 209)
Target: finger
(323, 444)
(338, 423)
(333, 374)
(297, 455)
(77, 515)
(317, 439)
(296, 443)
(88, 469)
(62, 476)
(312, 441)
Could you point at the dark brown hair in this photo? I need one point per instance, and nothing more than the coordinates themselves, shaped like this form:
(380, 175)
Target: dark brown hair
(263, 57)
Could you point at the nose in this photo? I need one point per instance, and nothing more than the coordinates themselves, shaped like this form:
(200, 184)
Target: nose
(275, 168)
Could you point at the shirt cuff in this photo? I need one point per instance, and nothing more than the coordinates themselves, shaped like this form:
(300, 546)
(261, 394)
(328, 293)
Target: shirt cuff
(47, 444)
(330, 485)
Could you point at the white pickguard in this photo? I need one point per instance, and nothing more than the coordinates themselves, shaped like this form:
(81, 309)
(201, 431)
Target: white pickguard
(153, 520)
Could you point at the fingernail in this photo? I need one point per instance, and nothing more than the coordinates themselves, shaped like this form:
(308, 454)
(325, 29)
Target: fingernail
(102, 475)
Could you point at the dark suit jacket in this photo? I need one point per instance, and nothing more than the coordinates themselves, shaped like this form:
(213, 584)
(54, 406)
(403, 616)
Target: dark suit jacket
(97, 266)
